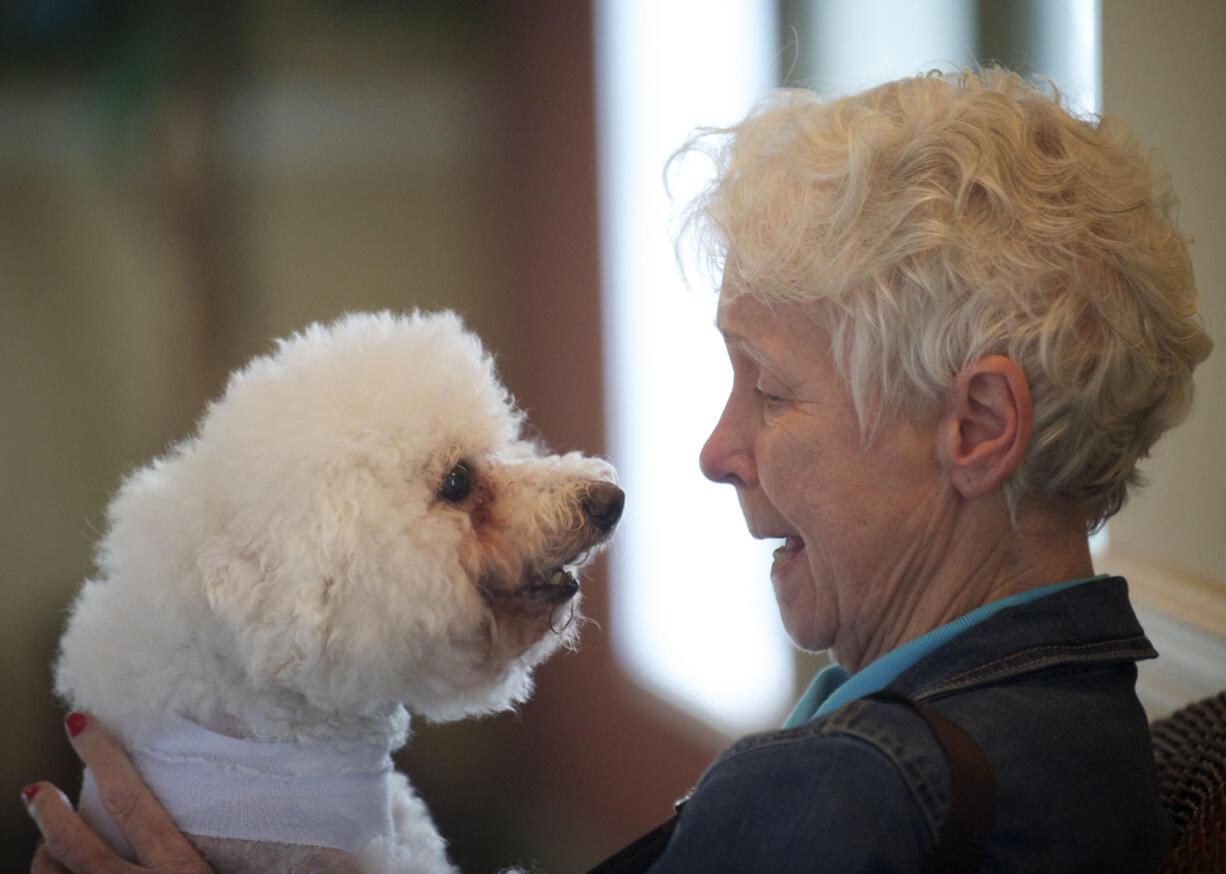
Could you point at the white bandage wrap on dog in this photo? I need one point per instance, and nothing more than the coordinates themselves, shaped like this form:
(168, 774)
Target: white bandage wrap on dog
(313, 794)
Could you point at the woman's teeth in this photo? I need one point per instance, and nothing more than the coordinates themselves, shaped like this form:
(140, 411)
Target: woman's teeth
(791, 546)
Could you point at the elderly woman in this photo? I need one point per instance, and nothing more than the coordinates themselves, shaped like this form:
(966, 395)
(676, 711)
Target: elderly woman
(957, 317)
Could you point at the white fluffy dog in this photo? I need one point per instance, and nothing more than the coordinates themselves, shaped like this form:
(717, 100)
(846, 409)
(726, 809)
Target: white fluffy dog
(358, 527)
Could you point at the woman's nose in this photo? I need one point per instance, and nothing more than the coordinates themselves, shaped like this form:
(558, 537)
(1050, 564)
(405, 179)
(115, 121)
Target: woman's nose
(724, 457)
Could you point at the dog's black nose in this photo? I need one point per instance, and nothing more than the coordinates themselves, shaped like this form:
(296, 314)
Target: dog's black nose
(602, 504)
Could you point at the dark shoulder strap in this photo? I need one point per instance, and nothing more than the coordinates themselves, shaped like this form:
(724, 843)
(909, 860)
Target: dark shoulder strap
(642, 854)
(963, 836)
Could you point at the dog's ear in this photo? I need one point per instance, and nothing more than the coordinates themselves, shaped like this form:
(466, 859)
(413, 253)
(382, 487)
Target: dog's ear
(277, 620)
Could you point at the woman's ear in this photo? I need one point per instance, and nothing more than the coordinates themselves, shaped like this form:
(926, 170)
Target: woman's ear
(987, 428)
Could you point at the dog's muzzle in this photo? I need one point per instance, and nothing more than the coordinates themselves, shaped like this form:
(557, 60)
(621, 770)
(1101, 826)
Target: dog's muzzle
(601, 504)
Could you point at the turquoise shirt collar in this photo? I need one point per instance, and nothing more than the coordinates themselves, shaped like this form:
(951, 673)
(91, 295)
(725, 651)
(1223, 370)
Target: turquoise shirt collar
(834, 686)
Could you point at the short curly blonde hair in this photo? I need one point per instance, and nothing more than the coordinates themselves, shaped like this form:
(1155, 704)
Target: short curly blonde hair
(951, 216)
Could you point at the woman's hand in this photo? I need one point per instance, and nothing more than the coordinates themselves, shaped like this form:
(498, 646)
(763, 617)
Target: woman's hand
(69, 845)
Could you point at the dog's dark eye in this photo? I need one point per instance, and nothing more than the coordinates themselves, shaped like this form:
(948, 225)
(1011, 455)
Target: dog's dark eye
(456, 484)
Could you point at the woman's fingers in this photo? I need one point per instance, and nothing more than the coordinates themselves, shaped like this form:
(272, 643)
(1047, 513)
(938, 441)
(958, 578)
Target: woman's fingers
(68, 844)
(44, 862)
(138, 815)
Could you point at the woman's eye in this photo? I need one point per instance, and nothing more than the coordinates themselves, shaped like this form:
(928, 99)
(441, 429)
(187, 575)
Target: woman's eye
(767, 396)
(456, 484)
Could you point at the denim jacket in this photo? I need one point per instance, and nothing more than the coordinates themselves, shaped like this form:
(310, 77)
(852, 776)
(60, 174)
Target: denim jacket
(1045, 688)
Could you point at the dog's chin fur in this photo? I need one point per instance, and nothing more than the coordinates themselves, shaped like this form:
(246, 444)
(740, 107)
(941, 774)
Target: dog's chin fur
(297, 570)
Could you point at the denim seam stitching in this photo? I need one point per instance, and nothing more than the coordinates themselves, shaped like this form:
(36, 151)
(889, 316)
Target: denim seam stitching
(921, 787)
(1019, 661)
(840, 723)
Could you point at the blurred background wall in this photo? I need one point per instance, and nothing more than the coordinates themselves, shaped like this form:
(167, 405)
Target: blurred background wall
(179, 183)
(1164, 72)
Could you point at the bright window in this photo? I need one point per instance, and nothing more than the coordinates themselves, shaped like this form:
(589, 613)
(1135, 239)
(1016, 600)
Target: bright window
(693, 613)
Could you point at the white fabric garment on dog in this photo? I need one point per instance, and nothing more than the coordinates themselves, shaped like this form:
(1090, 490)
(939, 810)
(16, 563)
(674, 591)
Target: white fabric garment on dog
(314, 794)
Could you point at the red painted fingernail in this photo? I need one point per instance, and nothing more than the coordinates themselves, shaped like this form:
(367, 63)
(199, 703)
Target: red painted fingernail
(75, 723)
(30, 791)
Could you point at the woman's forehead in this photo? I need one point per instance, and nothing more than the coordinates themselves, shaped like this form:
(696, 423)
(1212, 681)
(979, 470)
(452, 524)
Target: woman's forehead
(771, 331)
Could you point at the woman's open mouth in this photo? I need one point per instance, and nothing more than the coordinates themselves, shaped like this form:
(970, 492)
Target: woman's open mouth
(792, 547)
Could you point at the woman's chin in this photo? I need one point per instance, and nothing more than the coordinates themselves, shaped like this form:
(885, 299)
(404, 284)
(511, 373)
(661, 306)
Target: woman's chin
(797, 597)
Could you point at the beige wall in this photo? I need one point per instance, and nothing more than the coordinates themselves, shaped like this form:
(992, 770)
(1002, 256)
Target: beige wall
(1164, 72)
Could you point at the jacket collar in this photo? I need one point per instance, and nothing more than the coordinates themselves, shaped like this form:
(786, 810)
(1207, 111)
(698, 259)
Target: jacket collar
(1092, 623)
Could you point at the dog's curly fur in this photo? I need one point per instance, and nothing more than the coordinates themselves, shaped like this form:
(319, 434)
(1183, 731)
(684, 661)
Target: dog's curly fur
(358, 527)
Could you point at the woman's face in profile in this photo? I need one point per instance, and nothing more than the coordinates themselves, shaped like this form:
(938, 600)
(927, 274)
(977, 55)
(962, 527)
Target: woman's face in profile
(853, 518)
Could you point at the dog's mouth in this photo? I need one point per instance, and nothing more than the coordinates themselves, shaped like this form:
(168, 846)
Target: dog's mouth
(550, 589)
